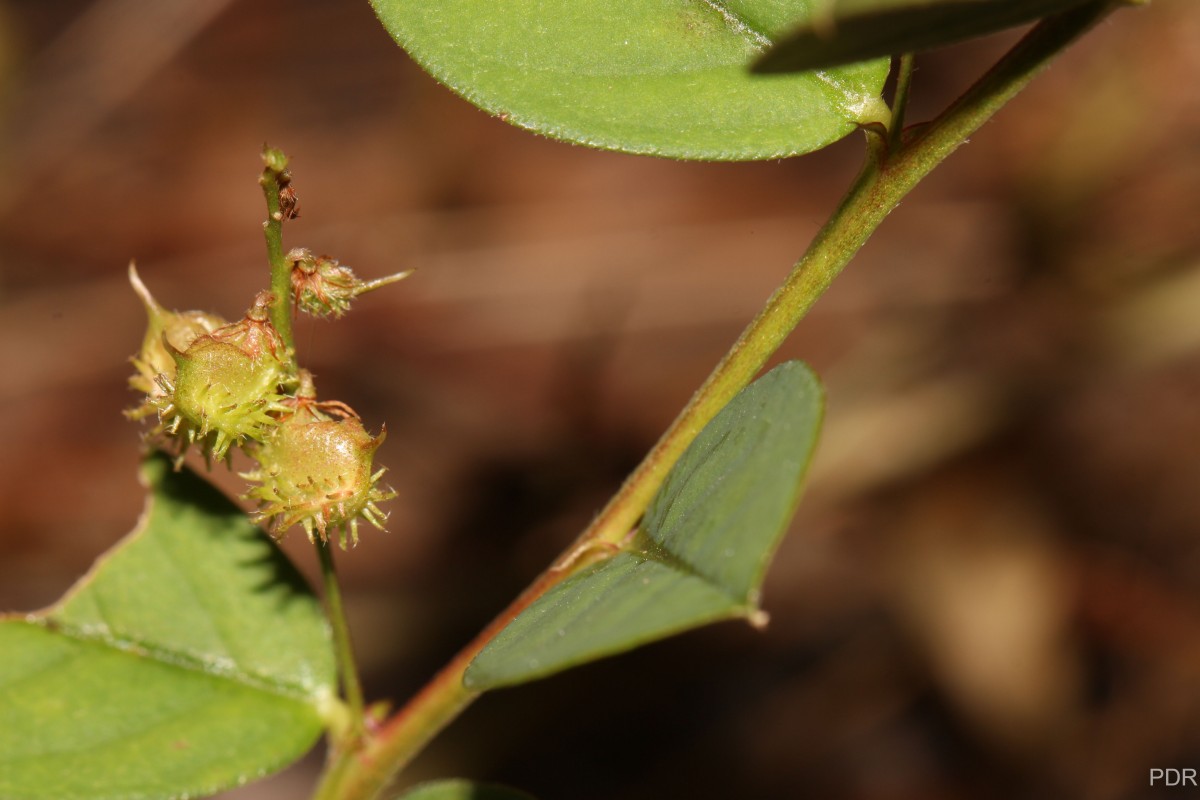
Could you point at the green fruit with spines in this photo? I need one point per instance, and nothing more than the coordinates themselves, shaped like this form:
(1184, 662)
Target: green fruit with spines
(229, 385)
(315, 470)
(178, 329)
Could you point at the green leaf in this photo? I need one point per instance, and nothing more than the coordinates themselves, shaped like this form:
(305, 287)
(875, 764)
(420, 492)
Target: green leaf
(660, 77)
(856, 30)
(702, 549)
(463, 790)
(191, 659)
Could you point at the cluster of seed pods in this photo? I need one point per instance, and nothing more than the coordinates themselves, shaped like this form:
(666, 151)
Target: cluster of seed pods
(216, 386)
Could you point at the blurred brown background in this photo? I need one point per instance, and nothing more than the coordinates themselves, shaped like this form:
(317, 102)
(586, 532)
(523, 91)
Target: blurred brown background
(993, 587)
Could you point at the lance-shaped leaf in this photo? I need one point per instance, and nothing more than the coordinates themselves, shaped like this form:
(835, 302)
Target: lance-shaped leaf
(847, 31)
(702, 549)
(661, 77)
(191, 658)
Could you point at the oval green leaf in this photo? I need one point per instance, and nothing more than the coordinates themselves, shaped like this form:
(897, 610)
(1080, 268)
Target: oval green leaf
(458, 789)
(192, 658)
(701, 552)
(856, 30)
(658, 77)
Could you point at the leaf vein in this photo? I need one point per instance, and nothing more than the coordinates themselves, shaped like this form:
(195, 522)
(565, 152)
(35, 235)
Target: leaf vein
(174, 658)
(739, 25)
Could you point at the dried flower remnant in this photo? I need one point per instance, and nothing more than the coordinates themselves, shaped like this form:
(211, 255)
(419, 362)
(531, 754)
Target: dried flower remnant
(323, 287)
(276, 163)
(255, 334)
(289, 203)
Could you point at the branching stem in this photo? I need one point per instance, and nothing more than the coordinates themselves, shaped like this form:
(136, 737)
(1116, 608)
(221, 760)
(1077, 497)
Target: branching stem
(889, 174)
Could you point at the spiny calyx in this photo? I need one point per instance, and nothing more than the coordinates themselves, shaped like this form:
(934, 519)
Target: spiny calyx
(228, 384)
(218, 385)
(221, 386)
(315, 470)
(166, 331)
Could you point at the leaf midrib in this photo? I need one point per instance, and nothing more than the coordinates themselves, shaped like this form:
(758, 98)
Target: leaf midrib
(177, 659)
(647, 547)
(740, 26)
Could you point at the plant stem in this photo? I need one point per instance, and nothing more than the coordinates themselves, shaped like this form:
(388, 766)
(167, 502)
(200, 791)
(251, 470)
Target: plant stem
(883, 182)
(904, 73)
(351, 688)
(274, 179)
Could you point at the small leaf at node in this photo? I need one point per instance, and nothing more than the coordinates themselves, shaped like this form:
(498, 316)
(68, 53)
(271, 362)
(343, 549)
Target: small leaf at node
(702, 549)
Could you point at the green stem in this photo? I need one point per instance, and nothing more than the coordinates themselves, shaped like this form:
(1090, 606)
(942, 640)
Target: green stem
(877, 190)
(904, 73)
(347, 671)
(274, 179)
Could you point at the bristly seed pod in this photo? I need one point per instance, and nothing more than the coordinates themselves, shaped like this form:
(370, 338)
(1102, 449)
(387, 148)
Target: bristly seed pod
(178, 329)
(316, 471)
(227, 385)
(323, 287)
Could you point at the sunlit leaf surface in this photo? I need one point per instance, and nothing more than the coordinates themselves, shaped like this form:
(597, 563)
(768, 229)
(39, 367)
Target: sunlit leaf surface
(192, 658)
(663, 77)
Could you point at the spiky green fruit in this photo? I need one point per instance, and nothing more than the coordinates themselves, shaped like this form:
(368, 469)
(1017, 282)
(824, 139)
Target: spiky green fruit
(317, 472)
(228, 386)
(220, 390)
(177, 329)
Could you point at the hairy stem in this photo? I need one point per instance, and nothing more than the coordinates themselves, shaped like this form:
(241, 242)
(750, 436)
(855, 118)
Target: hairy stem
(274, 180)
(883, 182)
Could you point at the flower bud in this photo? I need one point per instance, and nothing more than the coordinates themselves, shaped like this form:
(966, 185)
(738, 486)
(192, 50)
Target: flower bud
(323, 287)
(227, 385)
(178, 329)
(315, 471)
